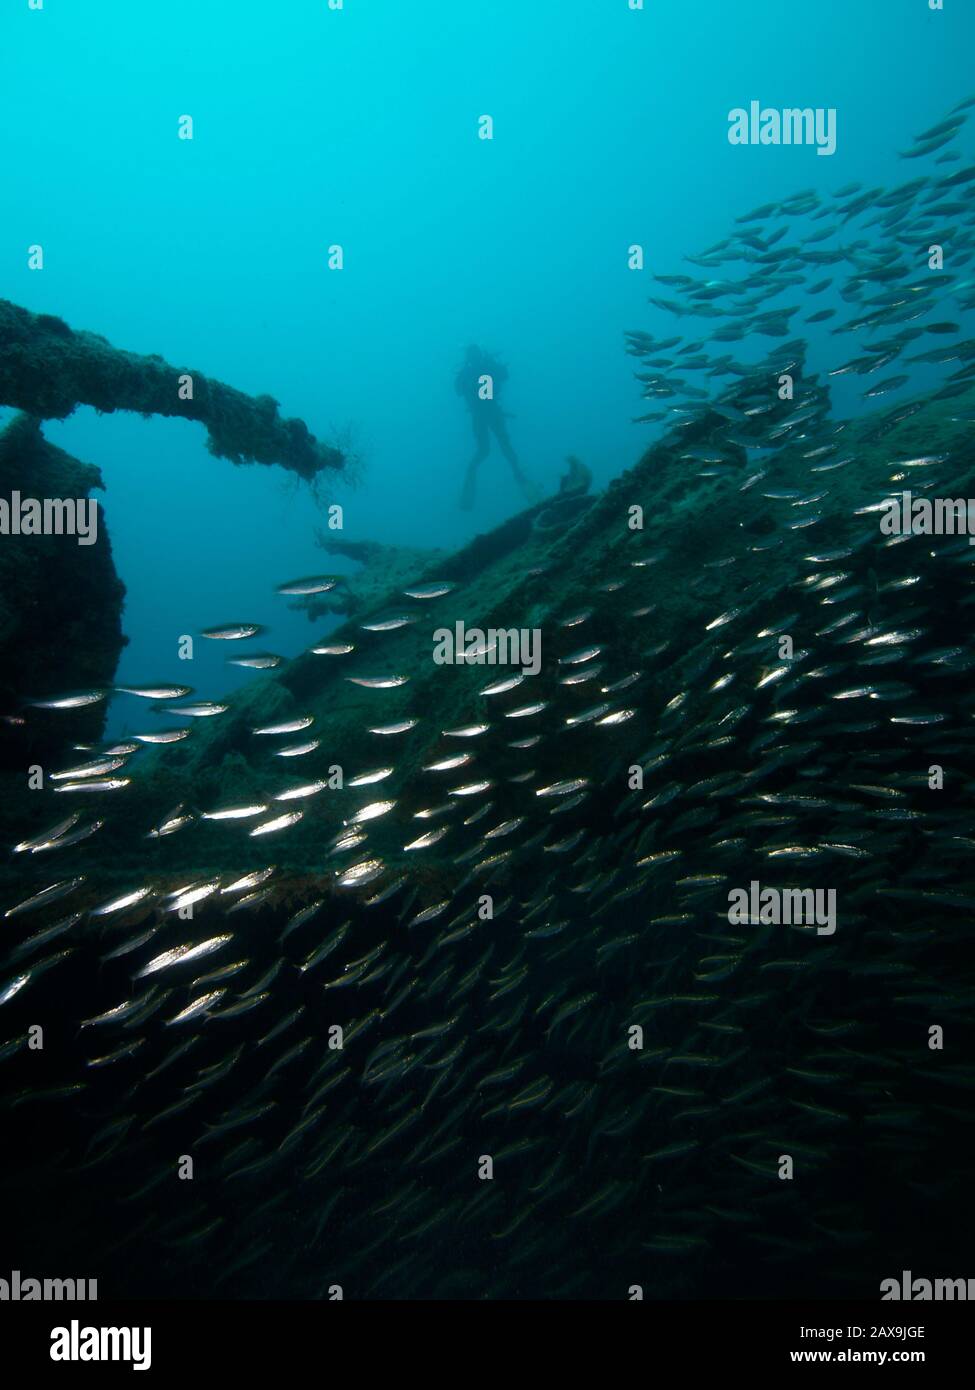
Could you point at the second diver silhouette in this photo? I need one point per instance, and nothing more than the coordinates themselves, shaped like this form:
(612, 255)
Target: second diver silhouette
(487, 418)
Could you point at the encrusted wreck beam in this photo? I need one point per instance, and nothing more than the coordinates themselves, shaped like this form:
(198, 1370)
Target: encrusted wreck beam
(47, 369)
(60, 605)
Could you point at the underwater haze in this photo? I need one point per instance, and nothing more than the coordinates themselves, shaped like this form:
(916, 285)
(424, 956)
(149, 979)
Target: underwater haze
(487, 813)
(313, 127)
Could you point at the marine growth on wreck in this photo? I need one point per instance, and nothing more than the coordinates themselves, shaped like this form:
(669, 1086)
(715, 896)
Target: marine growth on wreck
(562, 889)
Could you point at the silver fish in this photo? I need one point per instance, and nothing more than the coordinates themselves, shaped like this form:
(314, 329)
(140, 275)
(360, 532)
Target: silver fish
(74, 701)
(155, 692)
(199, 1006)
(48, 836)
(178, 954)
(260, 661)
(297, 750)
(204, 709)
(289, 726)
(300, 792)
(434, 589)
(268, 827)
(312, 584)
(174, 820)
(138, 895)
(231, 632)
(366, 779)
(47, 895)
(378, 682)
(96, 784)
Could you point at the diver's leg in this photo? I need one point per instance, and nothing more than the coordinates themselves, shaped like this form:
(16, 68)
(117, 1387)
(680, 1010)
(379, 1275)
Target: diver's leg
(483, 444)
(505, 445)
(529, 489)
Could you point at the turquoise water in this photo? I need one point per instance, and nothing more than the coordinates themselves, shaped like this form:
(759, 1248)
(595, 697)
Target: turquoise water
(314, 127)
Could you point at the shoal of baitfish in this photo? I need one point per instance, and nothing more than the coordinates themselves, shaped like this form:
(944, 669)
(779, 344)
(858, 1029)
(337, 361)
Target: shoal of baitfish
(202, 1013)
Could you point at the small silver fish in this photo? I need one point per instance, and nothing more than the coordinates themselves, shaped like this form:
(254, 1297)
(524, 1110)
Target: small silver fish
(470, 789)
(429, 914)
(577, 658)
(618, 716)
(231, 632)
(48, 836)
(155, 692)
(203, 710)
(250, 880)
(363, 872)
(138, 895)
(303, 915)
(586, 716)
(378, 682)
(260, 661)
(366, 779)
(348, 839)
(430, 838)
(563, 788)
(95, 769)
(448, 764)
(389, 623)
(268, 827)
(178, 954)
(498, 687)
(432, 590)
(75, 837)
(506, 827)
(723, 619)
(304, 790)
(74, 701)
(289, 726)
(371, 812)
(12, 987)
(192, 893)
(46, 895)
(313, 584)
(101, 784)
(174, 820)
(197, 1007)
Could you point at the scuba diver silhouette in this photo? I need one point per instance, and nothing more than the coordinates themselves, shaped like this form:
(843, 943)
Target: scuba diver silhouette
(487, 418)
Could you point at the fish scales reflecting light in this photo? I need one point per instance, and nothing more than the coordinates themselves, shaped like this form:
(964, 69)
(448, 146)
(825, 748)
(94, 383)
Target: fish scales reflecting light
(667, 908)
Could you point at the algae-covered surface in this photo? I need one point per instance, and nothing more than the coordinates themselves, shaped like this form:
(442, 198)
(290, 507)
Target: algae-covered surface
(586, 912)
(487, 981)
